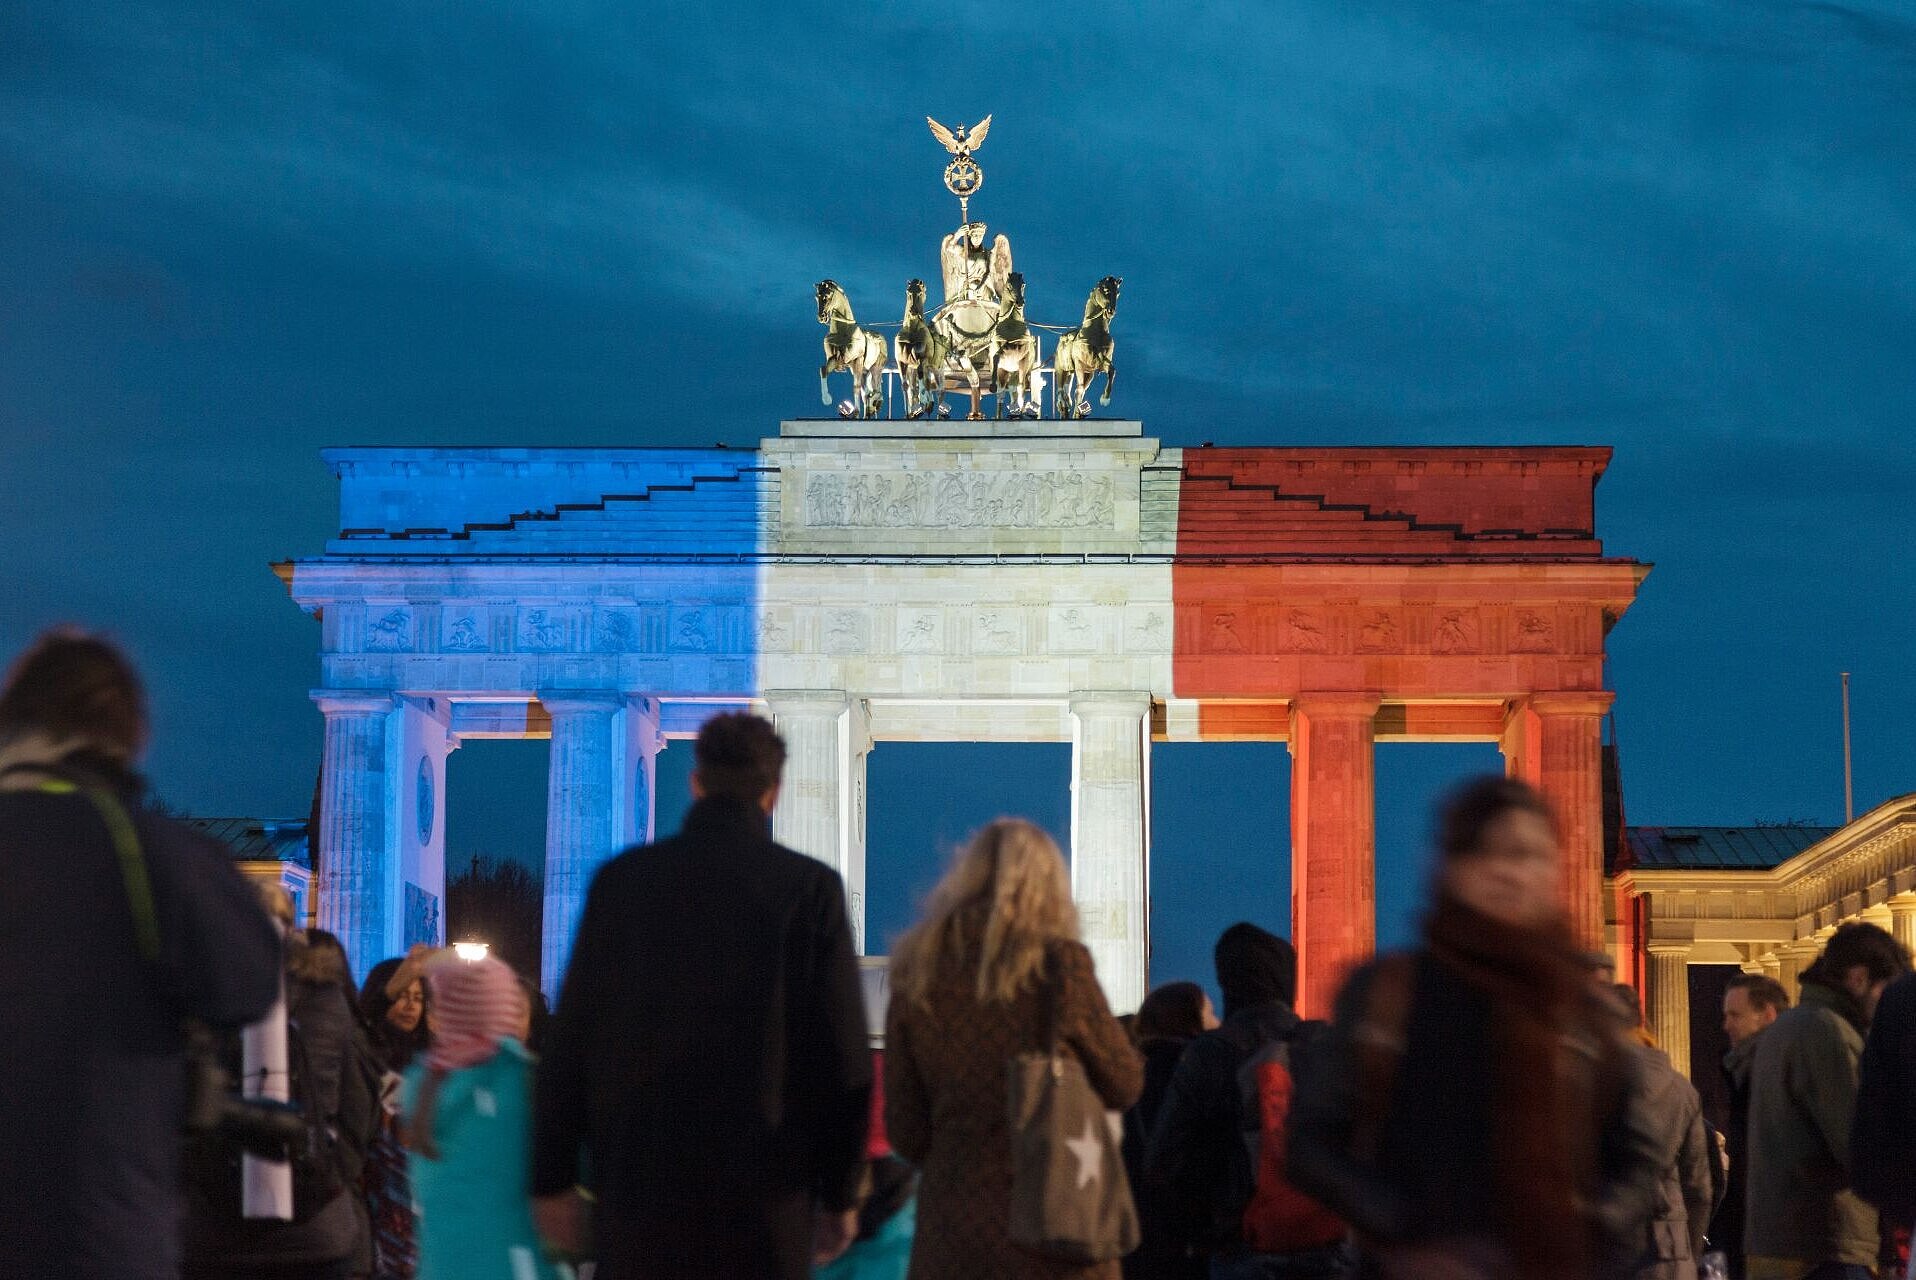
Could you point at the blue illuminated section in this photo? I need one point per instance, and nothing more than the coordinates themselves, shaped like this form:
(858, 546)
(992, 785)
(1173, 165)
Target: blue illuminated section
(628, 569)
(485, 592)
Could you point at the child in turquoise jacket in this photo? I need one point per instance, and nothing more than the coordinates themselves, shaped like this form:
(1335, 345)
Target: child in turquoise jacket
(468, 1110)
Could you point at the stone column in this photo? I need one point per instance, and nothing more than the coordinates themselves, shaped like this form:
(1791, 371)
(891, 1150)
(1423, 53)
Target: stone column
(1773, 966)
(358, 867)
(1554, 741)
(1792, 960)
(1333, 841)
(1111, 837)
(581, 827)
(1902, 922)
(1670, 1001)
(821, 806)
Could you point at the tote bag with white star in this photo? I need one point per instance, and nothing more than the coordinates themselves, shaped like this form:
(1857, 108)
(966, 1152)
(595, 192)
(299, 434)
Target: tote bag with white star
(1070, 1198)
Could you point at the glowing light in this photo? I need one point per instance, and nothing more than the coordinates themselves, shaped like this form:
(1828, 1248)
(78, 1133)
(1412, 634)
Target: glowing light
(471, 952)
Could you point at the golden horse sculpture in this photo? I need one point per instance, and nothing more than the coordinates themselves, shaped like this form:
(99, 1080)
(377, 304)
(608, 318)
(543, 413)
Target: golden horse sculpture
(850, 349)
(1014, 354)
(1085, 352)
(922, 353)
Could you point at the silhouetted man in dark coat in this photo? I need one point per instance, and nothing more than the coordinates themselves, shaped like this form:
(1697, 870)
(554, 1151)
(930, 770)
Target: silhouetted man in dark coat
(707, 1074)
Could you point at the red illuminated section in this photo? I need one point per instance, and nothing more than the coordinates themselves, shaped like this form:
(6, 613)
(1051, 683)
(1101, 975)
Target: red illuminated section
(1335, 597)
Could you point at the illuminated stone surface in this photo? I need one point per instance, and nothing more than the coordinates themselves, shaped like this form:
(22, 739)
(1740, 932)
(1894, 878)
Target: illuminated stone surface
(877, 581)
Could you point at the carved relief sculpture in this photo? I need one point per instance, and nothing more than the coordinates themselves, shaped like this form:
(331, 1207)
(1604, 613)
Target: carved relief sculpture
(540, 631)
(1456, 632)
(391, 632)
(1302, 634)
(1224, 636)
(1534, 633)
(465, 635)
(1378, 634)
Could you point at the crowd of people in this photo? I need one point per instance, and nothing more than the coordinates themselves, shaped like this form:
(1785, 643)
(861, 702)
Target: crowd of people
(704, 1100)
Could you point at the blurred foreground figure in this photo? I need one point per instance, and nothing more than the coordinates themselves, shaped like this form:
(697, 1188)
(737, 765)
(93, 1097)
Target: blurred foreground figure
(1802, 1219)
(707, 1074)
(1470, 1113)
(468, 1111)
(973, 986)
(1882, 1145)
(116, 925)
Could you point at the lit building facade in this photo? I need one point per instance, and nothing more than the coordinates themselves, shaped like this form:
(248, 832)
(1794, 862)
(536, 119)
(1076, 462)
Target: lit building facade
(866, 582)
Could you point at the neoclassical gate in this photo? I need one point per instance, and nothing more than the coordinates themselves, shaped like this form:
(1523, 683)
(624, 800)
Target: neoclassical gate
(865, 582)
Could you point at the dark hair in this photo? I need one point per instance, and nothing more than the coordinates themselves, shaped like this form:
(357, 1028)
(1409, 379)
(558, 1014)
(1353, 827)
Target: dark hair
(314, 955)
(72, 685)
(1468, 812)
(396, 1047)
(1856, 944)
(1254, 966)
(738, 756)
(1175, 1011)
(1764, 991)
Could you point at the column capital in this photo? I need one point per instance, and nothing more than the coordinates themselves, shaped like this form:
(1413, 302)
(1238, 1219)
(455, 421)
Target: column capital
(350, 702)
(807, 701)
(564, 702)
(1666, 947)
(1568, 702)
(1336, 703)
(1110, 702)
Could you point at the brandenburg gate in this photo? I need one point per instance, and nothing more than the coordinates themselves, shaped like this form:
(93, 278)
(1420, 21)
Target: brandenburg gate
(867, 582)
(872, 579)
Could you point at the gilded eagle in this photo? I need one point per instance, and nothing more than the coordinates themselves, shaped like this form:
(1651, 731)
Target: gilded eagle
(960, 141)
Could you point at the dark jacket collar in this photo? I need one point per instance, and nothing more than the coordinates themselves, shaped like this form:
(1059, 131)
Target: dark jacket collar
(722, 814)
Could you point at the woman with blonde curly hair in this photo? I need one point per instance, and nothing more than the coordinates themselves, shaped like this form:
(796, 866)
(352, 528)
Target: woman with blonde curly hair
(969, 990)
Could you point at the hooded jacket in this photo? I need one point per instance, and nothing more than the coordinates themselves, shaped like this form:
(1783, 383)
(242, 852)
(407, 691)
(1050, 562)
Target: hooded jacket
(1802, 1099)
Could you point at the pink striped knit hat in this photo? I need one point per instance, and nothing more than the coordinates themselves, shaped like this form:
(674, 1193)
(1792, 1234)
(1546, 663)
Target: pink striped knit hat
(475, 1005)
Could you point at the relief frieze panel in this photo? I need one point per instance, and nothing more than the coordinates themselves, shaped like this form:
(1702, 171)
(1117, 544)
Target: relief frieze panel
(388, 629)
(920, 631)
(998, 631)
(464, 631)
(960, 500)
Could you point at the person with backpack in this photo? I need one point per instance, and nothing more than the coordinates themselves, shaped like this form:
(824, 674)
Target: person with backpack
(1220, 1136)
(333, 1083)
(1470, 1112)
(117, 926)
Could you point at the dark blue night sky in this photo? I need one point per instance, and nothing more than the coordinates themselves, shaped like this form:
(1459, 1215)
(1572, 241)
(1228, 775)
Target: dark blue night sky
(233, 233)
